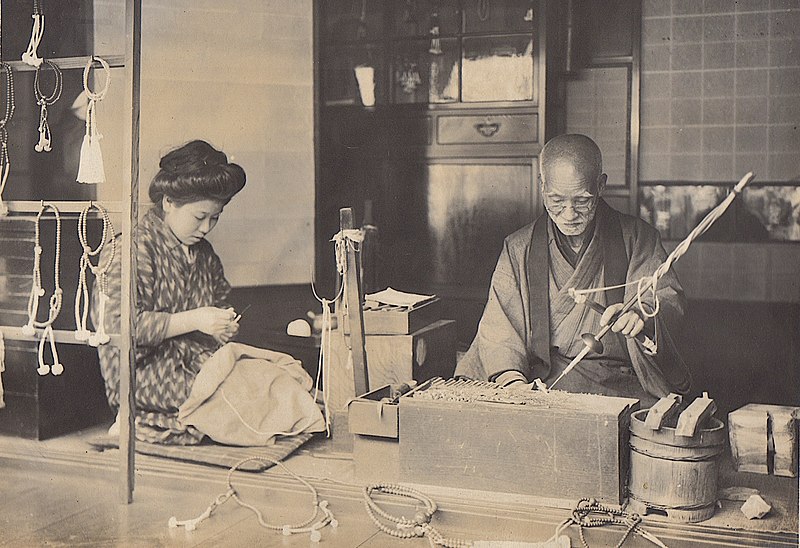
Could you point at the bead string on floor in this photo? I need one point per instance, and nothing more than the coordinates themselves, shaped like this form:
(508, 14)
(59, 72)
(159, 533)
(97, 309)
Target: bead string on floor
(44, 101)
(405, 528)
(312, 525)
(37, 291)
(99, 271)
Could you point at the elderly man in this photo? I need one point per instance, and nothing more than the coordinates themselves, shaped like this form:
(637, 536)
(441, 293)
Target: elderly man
(531, 327)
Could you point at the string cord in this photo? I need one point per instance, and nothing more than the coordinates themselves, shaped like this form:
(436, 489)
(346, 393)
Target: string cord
(100, 272)
(30, 56)
(44, 101)
(37, 291)
(344, 239)
(94, 96)
(5, 161)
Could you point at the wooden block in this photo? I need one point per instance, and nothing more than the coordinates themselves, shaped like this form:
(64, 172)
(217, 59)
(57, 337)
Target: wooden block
(693, 416)
(565, 452)
(747, 429)
(755, 507)
(401, 321)
(369, 415)
(663, 411)
(764, 439)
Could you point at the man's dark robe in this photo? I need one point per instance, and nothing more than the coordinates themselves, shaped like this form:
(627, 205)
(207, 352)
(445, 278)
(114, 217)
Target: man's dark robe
(533, 326)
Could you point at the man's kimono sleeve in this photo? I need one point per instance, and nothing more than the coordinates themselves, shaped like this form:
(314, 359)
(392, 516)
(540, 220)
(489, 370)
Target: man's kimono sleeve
(500, 343)
(666, 371)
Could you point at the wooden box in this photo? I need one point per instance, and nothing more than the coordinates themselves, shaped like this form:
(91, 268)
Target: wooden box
(396, 320)
(393, 359)
(374, 425)
(562, 452)
(764, 439)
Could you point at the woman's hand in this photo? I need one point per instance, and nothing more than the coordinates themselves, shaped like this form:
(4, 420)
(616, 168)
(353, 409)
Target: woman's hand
(217, 322)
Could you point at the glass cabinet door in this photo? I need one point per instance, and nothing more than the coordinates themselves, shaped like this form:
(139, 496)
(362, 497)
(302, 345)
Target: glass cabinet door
(497, 68)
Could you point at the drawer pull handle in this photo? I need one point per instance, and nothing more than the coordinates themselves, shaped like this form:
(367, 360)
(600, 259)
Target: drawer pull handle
(488, 129)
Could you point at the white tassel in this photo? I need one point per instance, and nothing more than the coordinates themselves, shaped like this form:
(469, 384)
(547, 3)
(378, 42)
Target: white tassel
(31, 57)
(91, 169)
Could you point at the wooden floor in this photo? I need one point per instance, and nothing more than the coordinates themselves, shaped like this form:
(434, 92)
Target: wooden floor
(61, 492)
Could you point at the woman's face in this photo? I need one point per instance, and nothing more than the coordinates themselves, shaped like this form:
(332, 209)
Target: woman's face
(191, 222)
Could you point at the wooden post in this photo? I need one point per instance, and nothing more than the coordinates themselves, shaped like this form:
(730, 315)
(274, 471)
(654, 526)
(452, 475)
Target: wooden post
(127, 356)
(355, 312)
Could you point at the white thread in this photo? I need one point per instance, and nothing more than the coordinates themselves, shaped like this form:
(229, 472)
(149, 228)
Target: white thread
(30, 56)
(252, 429)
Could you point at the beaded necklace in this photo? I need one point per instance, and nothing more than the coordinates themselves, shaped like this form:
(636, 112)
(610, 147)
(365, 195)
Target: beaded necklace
(90, 169)
(307, 526)
(30, 56)
(37, 291)
(44, 128)
(405, 528)
(100, 273)
(5, 161)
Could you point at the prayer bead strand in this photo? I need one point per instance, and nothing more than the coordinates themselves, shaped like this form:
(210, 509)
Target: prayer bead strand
(37, 291)
(100, 273)
(91, 169)
(30, 56)
(5, 161)
(44, 128)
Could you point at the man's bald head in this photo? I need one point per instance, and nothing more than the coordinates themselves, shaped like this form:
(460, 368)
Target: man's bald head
(579, 151)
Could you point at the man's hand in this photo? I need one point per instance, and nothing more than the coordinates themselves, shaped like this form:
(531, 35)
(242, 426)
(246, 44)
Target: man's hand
(629, 324)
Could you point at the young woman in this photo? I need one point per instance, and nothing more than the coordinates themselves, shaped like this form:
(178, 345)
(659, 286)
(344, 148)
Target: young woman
(182, 313)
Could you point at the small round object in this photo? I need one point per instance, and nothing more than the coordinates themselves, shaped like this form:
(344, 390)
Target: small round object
(172, 523)
(421, 517)
(43, 370)
(419, 530)
(315, 536)
(286, 530)
(57, 368)
(334, 523)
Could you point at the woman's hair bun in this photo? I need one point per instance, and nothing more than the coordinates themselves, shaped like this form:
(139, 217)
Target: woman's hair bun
(196, 171)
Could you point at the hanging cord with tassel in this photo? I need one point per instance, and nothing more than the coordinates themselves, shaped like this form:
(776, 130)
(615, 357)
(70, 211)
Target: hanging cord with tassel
(100, 272)
(5, 161)
(90, 169)
(31, 57)
(312, 525)
(44, 128)
(37, 291)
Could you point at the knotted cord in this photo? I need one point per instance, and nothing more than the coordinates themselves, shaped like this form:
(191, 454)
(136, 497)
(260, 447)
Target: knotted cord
(44, 128)
(650, 283)
(2, 368)
(99, 271)
(585, 515)
(344, 240)
(37, 291)
(311, 525)
(31, 57)
(90, 169)
(5, 161)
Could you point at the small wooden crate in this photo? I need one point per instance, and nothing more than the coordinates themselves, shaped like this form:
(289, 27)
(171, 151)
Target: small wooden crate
(562, 452)
(396, 320)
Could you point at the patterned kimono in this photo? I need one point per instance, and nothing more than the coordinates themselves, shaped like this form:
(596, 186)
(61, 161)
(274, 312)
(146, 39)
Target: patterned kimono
(170, 280)
(533, 326)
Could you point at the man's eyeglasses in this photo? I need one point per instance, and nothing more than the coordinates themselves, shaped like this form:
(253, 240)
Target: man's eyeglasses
(581, 204)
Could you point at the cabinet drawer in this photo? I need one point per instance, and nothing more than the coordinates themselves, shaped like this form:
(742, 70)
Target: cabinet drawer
(475, 130)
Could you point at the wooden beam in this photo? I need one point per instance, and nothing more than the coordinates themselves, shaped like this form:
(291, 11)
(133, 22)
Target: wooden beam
(127, 354)
(355, 312)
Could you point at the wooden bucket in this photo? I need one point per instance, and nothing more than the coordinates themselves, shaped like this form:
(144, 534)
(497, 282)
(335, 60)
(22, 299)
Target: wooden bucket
(674, 476)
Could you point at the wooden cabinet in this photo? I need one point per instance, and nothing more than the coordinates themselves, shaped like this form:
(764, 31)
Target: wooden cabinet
(447, 151)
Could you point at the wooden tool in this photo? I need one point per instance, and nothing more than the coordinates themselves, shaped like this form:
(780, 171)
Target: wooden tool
(694, 415)
(664, 409)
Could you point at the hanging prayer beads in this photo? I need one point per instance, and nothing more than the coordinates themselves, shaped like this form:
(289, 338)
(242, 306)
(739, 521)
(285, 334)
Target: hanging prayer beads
(31, 57)
(5, 162)
(90, 169)
(100, 273)
(37, 291)
(44, 128)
